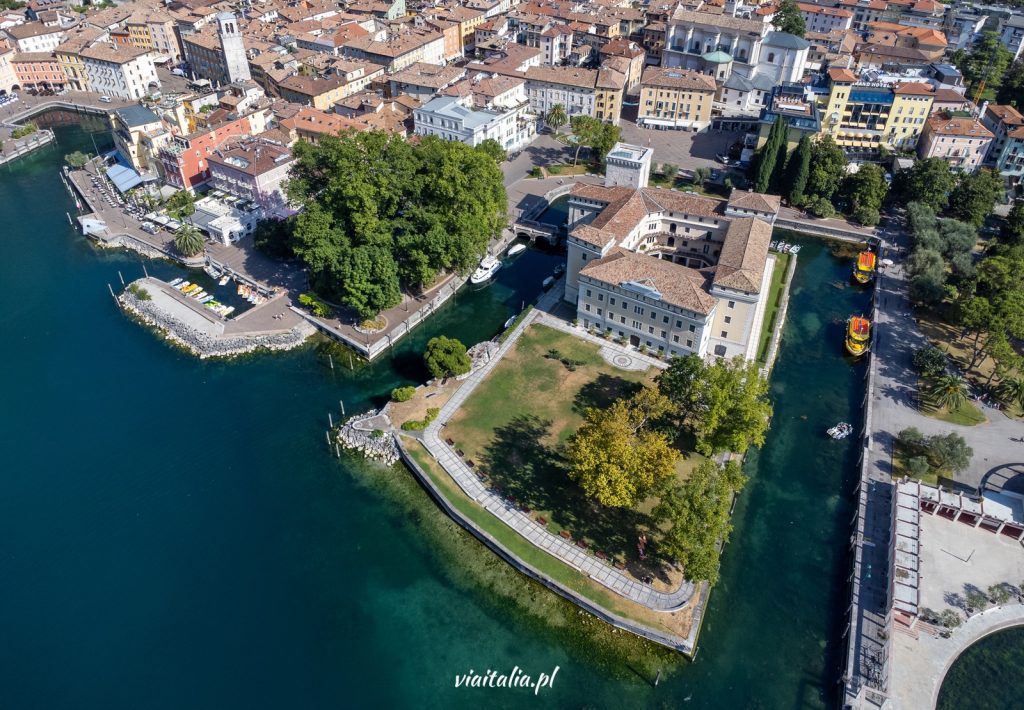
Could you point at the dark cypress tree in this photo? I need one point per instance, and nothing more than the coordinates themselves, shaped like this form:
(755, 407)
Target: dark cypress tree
(799, 169)
(777, 183)
(770, 154)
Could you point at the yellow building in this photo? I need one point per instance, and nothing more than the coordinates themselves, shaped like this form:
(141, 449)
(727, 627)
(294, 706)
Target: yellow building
(675, 98)
(864, 116)
(608, 94)
(68, 54)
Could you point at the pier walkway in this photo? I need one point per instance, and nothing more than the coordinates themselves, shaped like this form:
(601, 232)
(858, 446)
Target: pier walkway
(518, 520)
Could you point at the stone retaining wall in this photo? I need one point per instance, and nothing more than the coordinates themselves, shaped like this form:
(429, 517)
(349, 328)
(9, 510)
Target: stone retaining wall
(204, 345)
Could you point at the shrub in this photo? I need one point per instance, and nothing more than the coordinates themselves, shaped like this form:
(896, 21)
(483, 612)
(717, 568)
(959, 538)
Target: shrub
(403, 394)
(821, 207)
(535, 172)
(26, 130)
(139, 292)
(446, 356)
(950, 619)
(999, 594)
(315, 304)
(929, 361)
(377, 434)
(420, 424)
(867, 216)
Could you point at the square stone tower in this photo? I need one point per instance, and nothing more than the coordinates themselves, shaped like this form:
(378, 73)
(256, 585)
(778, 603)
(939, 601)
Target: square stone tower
(628, 166)
(236, 64)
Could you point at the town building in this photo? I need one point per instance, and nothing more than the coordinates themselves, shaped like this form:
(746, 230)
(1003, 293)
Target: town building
(8, 77)
(862, 116)
(139, 134)
(236, 64)
(119, 70)
(1001, 121)
(347, 77)
(423, 81)
(572, 87)
(396, 51)
(34, 37)
(495, 108)
(628, 166)
(963, 142)
(797, 107)
(675, 98)
(673, 272)
(254, 170)
(185, 159)
(37, 70)
(819, 18)
(1012, 35)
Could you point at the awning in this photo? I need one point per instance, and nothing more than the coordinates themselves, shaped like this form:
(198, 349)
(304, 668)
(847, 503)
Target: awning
(124, 178)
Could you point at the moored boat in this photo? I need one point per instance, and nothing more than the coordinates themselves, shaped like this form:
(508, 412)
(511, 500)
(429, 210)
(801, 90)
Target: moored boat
(175, 282)
(488, 267)
(858, 335)
(864, 268)
(794, 249)
(840, 430)
(516, 250)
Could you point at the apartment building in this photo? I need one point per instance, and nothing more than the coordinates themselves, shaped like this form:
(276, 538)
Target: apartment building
(122, 71)
(35, 37)
(347, 77)
(1001, 121)
(572, 87)
(495, 108)
(254, 170)
(819, 18)
(675, 98)
(963, 142)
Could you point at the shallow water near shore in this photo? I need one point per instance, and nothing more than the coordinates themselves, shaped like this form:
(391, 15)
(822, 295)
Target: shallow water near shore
(174, 532)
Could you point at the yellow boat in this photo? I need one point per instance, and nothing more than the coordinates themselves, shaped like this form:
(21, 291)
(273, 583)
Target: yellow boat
(864, 270)
(858, 335)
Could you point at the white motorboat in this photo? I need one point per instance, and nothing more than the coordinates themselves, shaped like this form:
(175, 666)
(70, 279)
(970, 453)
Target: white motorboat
(488, 268)
(840, 430)
(175, 282)
(516, 250)
(772, 246)
(224, 280)
(794, 249)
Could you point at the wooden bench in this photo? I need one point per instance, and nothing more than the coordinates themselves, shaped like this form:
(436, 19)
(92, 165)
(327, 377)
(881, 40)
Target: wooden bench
(565, 534)
(601, 555)
(619, 565)
(582, 544)
(542, 520)
(449, 441)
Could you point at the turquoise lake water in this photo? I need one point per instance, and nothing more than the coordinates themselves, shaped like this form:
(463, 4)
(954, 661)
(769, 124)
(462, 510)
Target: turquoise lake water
(173, 533)
(986, 676)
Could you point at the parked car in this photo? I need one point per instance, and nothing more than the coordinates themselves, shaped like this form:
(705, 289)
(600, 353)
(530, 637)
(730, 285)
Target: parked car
(150, 228)
(105, 99)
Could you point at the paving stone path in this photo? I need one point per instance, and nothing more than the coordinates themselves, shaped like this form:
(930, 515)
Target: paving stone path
(508, 513)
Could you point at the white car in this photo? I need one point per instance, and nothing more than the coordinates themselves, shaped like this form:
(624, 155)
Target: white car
(105, 99)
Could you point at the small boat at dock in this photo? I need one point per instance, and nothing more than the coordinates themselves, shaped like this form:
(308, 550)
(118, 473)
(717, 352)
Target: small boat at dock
(516, 250)
(858, 335)
(488, 267)
(794, 249)
(864, 268)
(175, 282)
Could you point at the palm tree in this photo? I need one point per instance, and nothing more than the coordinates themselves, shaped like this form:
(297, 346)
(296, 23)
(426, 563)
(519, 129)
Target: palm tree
(188, 240)
(949, 391)
(1013, 391)
(556, 117)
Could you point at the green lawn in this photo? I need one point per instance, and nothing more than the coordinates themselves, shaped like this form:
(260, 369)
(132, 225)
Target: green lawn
(967, 414)
(771, 311)
(514, 424)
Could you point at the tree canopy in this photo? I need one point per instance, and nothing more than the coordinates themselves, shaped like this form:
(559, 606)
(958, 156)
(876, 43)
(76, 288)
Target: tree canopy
(766, 166)
(78, 159)
(380, 212)
(987, 61)
(828, 168)
(446, 357)
(595, 134)
(724, 404)
(864, 191)
(928, 181)
(695, 516)
(1011, 89)
(188, 240)
(799, 170)
(788, 18)
(556, 117)
(181, 204)
(974, 195)
(616, 456)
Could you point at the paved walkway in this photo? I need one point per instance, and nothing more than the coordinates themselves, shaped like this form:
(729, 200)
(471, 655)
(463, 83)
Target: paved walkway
(516, 519)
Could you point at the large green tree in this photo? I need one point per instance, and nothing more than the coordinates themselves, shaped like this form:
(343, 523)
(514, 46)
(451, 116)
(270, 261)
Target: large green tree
(695, 518)
(974, 195)
(985, 62)
(724, 404)
(617, 456)
(1011, 89)
(766, 158)
(78, 159)
(788, 18)
(379, 212)
(446, 357)
(928, 181)
(594, 134)
(799, 170)
(864, 191)
(556, 117)
(828, 168)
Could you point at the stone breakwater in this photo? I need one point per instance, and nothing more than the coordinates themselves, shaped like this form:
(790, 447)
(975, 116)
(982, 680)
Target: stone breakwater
(362, 434)
(202, 344)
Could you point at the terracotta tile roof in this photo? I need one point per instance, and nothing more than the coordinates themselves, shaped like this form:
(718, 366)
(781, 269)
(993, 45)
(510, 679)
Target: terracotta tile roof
(677, 79)
(658, 200)
(945, 125)
(678, 285)
(756, 201)
(912, 87)
(744, 253)
(1006, 114)
(839, 74)
(689, 17)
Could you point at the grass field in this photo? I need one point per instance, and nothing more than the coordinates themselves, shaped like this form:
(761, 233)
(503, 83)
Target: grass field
(771, 311)
(967, 414)
(514, 425)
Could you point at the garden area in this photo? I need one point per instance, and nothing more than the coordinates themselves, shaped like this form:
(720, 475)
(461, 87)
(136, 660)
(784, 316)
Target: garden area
(603, 456)
(773, 305)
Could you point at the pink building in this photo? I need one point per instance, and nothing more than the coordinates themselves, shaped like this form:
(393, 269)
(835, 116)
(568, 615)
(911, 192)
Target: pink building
(962, 142)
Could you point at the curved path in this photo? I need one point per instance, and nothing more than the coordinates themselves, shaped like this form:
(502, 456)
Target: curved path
(932, 656)
(519, 521)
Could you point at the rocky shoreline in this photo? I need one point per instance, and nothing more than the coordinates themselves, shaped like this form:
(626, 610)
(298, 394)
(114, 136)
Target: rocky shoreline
(380, 447)
(203, 345)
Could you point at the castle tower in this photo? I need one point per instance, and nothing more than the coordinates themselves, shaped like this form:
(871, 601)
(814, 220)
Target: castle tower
(236, 63)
